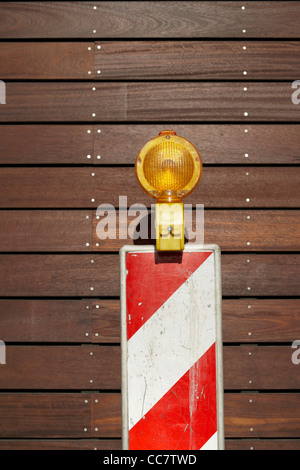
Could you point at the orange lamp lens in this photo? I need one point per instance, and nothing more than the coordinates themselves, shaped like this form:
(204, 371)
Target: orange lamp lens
(168, 167)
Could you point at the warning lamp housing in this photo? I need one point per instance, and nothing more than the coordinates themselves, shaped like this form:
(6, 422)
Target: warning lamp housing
(168, 168)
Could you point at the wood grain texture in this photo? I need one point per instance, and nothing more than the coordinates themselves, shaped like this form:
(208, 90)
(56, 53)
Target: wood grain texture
(60, 444)
(60, 321)
(61, 367)
(62, 101)
(43, 321)
(59, 415)
(47, 60)
(259, 368)
(210, 101)
(50, 231)
(98, 367)
(217, 143)
(260, 230)
(46, 415)
(82, 188)
(36, 144)
(260, 320)
(196, 60)
(262, 415)
(69, 321)
(78, 144)
(262, 444)
(145, 19)
(58, 275)
(148, 101)
(74, 275)
(116, 444)
(262, 275)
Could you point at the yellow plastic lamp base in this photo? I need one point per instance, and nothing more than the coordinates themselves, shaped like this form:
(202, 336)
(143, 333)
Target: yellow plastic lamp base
(169, 226)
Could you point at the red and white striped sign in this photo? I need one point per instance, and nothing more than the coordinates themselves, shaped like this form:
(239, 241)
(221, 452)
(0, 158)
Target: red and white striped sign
(172, 386)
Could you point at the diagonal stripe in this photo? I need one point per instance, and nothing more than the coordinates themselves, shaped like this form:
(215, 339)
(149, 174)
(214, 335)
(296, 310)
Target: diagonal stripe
(171, 341)
(149, 284)
(185, 417)
(212, 443)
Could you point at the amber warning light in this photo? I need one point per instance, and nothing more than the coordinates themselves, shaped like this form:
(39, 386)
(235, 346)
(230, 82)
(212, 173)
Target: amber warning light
(168, 167)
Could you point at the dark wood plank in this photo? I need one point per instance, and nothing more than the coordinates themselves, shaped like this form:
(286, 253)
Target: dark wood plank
(63, 101)
(262, 444)
(45, 415)
(255, 415)
(260, 368)
(98, 367)
(61, 367)
(196, 60)
(106, 415)
(36, 231)
(47, 60)
(66, 415)
(261, 320)
(116, 444)
(217, 143)
(60, 444)
(260, 275)
(84, 321)
(149, 20)
(59, 415)
(120, 143)
(58, 275)
(259, 230)
(40, 187)
(148, 101)
(60, 321)
(220, 187)
(105, 321)
(75, 275)
(210, 101)
(46, 144)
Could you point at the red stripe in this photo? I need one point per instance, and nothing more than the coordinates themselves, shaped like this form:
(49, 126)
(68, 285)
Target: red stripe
(186, 416)
(150, 282)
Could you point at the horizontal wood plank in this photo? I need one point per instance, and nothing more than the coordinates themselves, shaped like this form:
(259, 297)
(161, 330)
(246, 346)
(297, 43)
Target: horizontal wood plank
(71, 230)
(260, 368)
(148, 101)
(98, 367)
(59, 415)
(217, 143)
(60, 444)
(60, 321)
(75, 275)
(63, 101)
(196, 60)
(262, 444)
(61, 367)
(255, 415)
(116, 444)
(58, 275)
(231, 230)
(149, 20)
(220, 187)
(98, 320)
(47, 60)
(35, 144)
(112, 144)
(260, 320)
(39, 231)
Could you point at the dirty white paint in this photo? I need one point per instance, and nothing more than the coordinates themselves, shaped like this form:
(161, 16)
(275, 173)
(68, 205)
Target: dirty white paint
(171, 341)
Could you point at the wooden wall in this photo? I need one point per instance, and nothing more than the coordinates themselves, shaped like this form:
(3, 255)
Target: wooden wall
(88, 83)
